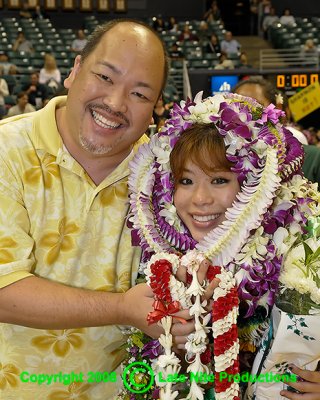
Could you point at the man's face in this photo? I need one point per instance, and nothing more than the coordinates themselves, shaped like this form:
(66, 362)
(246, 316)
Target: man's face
(113, 92)
(228, 36)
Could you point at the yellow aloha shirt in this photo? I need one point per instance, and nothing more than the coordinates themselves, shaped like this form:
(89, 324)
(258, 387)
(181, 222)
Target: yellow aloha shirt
(57, 224)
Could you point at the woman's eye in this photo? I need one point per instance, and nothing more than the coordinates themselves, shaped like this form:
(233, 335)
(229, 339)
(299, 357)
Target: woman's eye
(104, 77)
(185, 181)
(220, 181)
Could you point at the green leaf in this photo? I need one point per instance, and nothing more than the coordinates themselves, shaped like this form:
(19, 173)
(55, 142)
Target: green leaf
(308, 252)
(316, 254)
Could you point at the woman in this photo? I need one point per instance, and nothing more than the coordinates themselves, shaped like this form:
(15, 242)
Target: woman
(50, 74)
(222, 180)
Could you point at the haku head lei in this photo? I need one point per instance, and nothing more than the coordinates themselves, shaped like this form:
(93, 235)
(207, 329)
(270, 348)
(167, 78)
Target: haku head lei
(270, 209)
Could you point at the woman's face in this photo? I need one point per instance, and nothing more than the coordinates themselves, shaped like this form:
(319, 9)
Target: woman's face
(201, 200)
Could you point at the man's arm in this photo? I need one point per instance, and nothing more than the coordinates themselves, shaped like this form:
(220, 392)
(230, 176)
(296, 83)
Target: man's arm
(39, 303)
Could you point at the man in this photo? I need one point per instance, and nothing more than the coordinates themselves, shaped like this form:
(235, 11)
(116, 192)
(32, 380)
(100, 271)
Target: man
(265, 93)
(79, 43)
(36, 91)
(22, 44)
(22, 107)
(67, 260)
(230, 45)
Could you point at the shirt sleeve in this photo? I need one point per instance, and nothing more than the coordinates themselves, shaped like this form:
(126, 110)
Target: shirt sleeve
(16, 245)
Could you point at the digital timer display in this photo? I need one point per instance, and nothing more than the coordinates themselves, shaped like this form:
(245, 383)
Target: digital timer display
(295, 81)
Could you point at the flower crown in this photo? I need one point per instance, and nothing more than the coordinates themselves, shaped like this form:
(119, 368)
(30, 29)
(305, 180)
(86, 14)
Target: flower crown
(266, 158)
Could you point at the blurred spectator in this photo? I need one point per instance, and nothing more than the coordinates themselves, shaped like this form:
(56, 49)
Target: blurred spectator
(25, 12)
(39, 14)
(4, 91)
(78, 44)
(213, 13)
(172, 25)
(22, 106)
(158, 23)
(5, 64)
(203, 31)
(244, 61)
(174, 51)
(265, 93)
(13, 70)
(35, 90)
(22, 44)
(230, 45)
(309, 47)
(213, 46)
(224, 62)
(254, 17)
(160, 113)
(187, 34)
(264, 7)
(269, 20)
(287, 18)
(50, 75)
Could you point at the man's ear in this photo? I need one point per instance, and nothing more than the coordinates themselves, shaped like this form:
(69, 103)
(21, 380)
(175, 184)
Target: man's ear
(74, 71)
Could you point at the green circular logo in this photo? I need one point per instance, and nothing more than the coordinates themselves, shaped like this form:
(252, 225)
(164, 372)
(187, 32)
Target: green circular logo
(130, 374)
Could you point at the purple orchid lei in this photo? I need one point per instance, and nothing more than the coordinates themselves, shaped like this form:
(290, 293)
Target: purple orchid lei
(271, 208)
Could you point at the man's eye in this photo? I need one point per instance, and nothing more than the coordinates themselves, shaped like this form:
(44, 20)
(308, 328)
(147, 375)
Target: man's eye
(185, 181)
(140, 95)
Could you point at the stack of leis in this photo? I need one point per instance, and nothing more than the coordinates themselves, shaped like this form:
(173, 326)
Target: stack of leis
(170, 296)
(267, 217)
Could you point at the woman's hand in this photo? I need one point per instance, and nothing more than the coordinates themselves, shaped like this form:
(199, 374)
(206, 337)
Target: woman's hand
(309, 386)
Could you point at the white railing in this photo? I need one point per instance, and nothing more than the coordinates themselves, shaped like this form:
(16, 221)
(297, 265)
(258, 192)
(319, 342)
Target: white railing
(291, 58)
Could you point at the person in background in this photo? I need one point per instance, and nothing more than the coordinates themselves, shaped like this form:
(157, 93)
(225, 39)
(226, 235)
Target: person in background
(244, 61)
(22, 107)
(268, 21)
(67, 263)
(159, 23)
(50, 74)
(25, 11)
(4, 91)
(230, 45)
(39, 13)
(22, 44)
(214, 45)
(160, 113)
(187, 34)
(78, 44)
(287, 18)
(254, 10)
(5, 63)
(213, 13)
(266, 93)
(203, 31)
(175, 52)
(35, 90)
(309, 47)
(224, 62)
(172, 25)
